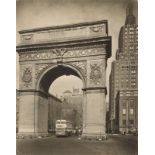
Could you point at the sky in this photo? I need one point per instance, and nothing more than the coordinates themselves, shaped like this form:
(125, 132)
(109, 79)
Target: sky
(42, 13)
(64, 83)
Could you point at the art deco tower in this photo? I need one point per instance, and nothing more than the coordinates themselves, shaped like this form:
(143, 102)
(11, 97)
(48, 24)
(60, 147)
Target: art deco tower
(124, 76)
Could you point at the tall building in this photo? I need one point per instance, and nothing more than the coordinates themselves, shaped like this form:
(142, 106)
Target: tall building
(123, 88)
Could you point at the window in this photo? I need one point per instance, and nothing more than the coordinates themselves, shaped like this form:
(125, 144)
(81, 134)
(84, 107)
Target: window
(131, 103)
(123, 104)
(124, 111)
(131, 111)
(131, 40)
(131, 122)
(124, 122)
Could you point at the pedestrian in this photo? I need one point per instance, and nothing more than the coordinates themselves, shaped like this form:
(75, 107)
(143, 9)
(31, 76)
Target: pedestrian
(79, 132)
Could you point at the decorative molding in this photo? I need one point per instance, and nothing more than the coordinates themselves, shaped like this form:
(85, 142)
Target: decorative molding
(27, 77)
(95, 74)
(60, 53)
(35, 55)
(27, 37)
(98, 28)
(84, 52)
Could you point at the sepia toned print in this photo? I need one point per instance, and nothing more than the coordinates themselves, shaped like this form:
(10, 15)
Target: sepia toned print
(77, 72)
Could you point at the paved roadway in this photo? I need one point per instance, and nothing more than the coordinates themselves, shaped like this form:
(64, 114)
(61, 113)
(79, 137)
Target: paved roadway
(115, 145)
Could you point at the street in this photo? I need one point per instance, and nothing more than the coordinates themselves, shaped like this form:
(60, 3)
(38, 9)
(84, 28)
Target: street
(115, 145)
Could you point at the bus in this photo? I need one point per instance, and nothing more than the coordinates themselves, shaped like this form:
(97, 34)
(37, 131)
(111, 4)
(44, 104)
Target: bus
(63, 128)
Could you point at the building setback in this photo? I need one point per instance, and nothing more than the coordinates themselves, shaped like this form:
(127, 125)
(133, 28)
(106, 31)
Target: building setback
(123, 86)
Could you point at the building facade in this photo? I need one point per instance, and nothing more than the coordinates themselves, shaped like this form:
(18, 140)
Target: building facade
(126, 111)
(72, 107)
(17, 109)
(54, 111)
(124, 77)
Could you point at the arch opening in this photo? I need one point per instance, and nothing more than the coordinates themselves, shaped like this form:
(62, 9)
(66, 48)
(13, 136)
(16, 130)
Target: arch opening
(51, 74)
(64, 83)
(69, 90)
(69, 107)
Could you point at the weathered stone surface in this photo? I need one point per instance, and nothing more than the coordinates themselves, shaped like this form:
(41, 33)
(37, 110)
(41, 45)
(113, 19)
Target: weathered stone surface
(26, 114)
(95, 107)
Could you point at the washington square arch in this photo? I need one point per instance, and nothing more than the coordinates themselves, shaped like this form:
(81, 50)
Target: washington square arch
(47, 53)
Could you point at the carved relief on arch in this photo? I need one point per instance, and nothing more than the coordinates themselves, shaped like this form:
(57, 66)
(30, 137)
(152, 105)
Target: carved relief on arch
(97, 28)
(96, 71)
(81, 66)
(27, 77)
(95, 74)
(37, 55)
(84, 52)
(39, 68)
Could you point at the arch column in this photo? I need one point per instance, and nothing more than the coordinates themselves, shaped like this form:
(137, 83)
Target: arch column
(94, 106)
(94, 114)
(33, 113)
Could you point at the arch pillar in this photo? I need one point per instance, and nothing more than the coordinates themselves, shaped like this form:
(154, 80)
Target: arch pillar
(94, 112)
(33, 113)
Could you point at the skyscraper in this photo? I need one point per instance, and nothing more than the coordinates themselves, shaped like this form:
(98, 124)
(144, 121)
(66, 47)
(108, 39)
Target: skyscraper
(123, 102)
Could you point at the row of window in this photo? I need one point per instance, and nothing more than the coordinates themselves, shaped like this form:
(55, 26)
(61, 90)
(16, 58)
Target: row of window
(131, 111)
(133, 67)
(126, 79)
(131, 104)
(131, 40)
(131, 29)
(131, 36)
(125, 76)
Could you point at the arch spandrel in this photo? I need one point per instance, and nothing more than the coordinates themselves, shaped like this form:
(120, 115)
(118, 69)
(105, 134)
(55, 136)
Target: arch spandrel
(96, 73)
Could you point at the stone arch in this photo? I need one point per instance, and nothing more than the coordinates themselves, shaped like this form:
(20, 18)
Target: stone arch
(82, 51)
(46, 78)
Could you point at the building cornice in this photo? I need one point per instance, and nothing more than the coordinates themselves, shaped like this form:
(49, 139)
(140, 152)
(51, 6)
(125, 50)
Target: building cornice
(67, 26)
(95, 88)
